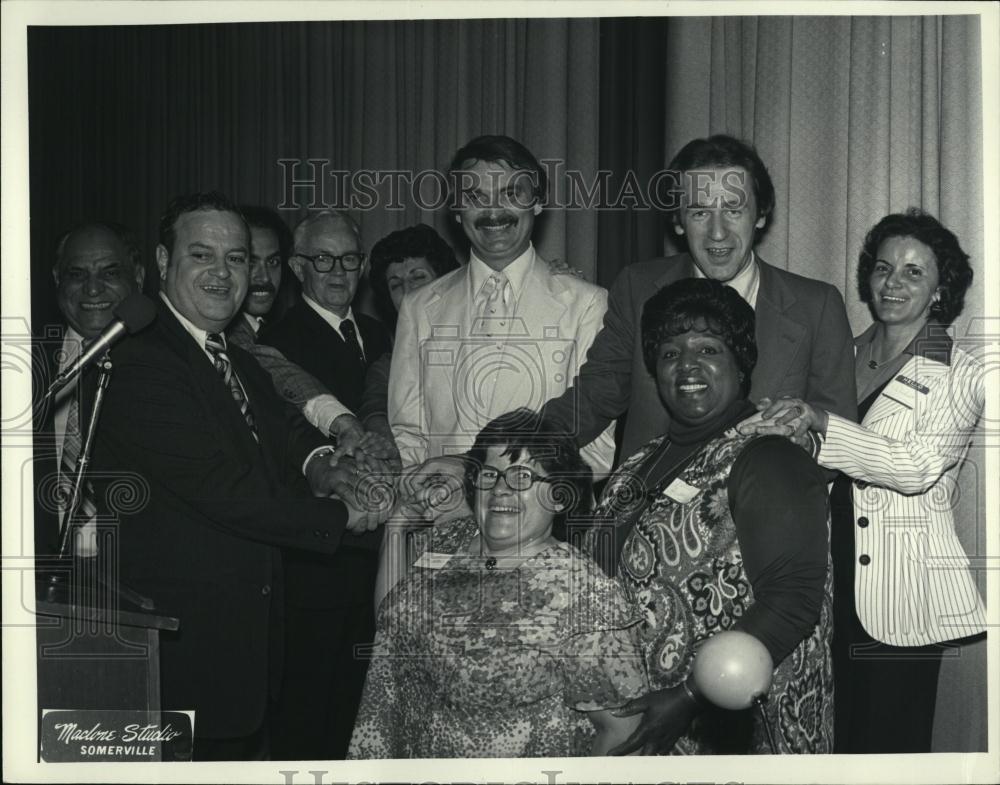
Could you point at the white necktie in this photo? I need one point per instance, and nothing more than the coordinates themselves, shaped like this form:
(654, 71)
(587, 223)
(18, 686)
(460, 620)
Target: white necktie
(496, 299)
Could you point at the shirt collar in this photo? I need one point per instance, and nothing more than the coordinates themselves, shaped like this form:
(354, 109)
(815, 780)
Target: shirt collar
(254, 321)
(746, 282)
(328, 316)
(72, 346)
(195, 332)
(516, 271)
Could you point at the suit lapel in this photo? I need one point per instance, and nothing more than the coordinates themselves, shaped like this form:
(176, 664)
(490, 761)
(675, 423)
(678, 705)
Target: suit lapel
(779, 338)
(903, 392)
(218, 400)
(542, 304)
(674, 272)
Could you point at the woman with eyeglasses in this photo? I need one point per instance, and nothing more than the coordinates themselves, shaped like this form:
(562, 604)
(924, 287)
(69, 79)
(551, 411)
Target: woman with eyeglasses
(503, 641)
(708, 530)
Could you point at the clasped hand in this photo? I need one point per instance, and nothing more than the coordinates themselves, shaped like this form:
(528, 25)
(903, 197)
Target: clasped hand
(433, 489)
(361, 472)
(790, 417)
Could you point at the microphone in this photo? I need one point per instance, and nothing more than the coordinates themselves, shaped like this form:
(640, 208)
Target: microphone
(131, 315)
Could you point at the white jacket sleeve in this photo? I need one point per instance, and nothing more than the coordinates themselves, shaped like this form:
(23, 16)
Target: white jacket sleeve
(405, 398)
(911, 448)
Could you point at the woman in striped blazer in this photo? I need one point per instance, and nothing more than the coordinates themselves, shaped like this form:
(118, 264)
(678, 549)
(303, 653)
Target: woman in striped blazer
(903, 592)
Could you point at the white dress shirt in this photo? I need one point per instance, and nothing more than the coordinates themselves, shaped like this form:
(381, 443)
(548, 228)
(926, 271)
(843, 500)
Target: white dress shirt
(335, 321)
(746, 282)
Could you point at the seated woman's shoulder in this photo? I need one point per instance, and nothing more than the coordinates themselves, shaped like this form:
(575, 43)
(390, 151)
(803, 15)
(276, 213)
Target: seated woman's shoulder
(776, 456)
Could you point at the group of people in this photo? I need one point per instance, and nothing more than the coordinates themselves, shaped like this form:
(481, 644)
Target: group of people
(424, 541)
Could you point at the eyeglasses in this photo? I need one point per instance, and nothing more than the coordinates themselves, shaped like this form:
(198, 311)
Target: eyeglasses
(325, 262)
(518, 478)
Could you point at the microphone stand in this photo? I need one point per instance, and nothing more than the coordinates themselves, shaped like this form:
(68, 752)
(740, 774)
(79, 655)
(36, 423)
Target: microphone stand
(80, 473)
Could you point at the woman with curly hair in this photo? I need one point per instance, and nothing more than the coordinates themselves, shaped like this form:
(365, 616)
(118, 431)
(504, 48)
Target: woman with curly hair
(903, 593)
(502, 640)
(710, 530)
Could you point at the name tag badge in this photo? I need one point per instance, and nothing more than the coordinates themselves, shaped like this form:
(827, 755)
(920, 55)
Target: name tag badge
(681, 491)
(903, 390)
(433, 561)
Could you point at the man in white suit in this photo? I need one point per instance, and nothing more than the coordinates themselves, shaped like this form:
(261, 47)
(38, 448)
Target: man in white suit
(503, 331)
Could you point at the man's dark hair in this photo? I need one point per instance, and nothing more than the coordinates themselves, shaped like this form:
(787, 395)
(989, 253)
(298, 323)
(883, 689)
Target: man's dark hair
(259, 217)
(954, 271)
(524, 434)
(496, 149)
(700, 304)
(189, 203)
(125, 236)
(721, 150)
(413, 242)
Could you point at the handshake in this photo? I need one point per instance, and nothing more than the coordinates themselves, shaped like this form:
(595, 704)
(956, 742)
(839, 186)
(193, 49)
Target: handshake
(365, 472)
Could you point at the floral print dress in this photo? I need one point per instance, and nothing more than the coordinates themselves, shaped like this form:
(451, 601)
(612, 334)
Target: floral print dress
(682, 565)
(472, 662)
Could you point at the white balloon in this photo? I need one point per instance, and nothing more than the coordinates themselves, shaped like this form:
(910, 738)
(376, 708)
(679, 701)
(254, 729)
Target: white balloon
(732, 669)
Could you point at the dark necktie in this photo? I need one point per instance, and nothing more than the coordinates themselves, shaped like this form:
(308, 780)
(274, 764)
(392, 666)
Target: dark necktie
(351, 339)
(216, 346)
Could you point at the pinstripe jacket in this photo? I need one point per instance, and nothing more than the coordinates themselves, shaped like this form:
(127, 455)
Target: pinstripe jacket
(912, 582)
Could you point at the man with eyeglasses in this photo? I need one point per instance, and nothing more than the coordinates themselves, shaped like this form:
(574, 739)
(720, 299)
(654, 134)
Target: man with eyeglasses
(328, 600)
(270, 245)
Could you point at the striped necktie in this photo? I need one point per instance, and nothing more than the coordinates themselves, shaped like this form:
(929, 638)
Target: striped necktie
(86, 513)
(215, 344)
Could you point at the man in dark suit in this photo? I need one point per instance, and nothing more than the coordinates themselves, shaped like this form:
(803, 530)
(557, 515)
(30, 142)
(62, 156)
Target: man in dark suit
(329, 601)
(322, 334)
(723, 200)
(224, 465)
(97, 266)
(270, 244)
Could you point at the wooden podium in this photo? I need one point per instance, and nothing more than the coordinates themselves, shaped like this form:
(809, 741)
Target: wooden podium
(97, 641)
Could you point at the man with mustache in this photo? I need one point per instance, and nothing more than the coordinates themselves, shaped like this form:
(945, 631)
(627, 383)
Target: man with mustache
(270, 243)
(502, 332)
(329, 601)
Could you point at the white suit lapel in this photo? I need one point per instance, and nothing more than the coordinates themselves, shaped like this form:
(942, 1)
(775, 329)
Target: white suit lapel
(908, 391)
(540, 310)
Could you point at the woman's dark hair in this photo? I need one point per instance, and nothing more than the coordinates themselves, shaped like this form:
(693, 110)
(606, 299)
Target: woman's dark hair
(954, 271)
(700, 304)
(413, 242)
(523, 433)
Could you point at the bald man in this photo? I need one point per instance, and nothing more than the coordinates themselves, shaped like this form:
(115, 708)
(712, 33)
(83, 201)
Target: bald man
(97, 265)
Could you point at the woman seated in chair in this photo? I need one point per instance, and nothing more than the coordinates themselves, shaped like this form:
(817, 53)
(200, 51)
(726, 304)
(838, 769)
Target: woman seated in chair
(503, 640)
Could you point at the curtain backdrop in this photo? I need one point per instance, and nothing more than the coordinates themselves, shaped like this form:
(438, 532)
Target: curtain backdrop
(123, 118)
(855, 118)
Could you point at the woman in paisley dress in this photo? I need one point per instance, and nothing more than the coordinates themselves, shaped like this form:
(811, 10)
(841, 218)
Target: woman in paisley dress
(709, 530)
(503, 641)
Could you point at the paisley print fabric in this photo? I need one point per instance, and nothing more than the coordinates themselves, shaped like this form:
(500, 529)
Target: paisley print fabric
(505, 663)
(681, 565)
